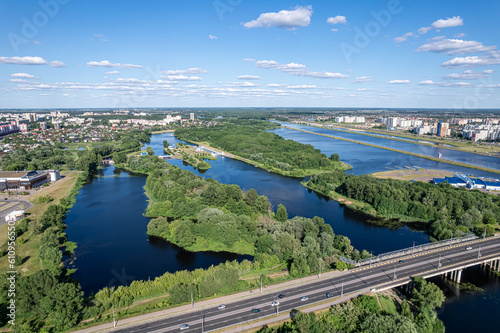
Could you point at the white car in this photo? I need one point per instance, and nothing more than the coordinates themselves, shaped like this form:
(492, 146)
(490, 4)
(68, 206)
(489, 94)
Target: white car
(275, 303)
(468, 248)
(184, 327)
(222, 306)
(304, 298)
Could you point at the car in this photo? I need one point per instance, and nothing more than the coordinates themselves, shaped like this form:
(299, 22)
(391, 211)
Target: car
(255, 310)
(329, 295)
(468, 248)
(401, 261)
(184, 327)
(280, 296)
(222, 306)
(275, 303)
(304, 298)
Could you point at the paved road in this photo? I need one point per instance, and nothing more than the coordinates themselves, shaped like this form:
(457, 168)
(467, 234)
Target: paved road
(7, 206)
(362, 278)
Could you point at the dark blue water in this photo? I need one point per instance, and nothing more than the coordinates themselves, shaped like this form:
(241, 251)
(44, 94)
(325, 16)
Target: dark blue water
(447, 154)
(113, 248)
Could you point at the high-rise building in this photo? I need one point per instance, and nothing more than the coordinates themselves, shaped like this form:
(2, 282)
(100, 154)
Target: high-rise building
(442, 129)
(43, 125)
(191, 116)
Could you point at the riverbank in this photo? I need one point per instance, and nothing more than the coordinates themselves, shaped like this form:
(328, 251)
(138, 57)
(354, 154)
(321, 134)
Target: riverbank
(467, 147)
(422, 175)
(465, 165)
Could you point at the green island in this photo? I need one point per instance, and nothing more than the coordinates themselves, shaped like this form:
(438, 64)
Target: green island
(372, 313)
(189, 154)
(402, 151)
(444, 211)
(250, 142)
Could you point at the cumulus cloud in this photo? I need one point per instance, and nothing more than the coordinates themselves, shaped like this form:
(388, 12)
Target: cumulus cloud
(455, 46)
(424, 30)
(212, 37)
(399, 81)
(469, 75)
(444, 84)
(193, 70)
(455, 21)
(459, 35)
(492, 58)
(298, 70)
(57, 64)
(183, 78)
(242, 84)
(113, 73)
(24, 76)
(249, 77)
(30, 61)
(337, 20)
(287, 19)
(403, 38)
(362, 79)
(108, 64)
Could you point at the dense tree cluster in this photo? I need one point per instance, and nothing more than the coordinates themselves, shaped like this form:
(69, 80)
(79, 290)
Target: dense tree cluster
(249, 139)
(451, 211)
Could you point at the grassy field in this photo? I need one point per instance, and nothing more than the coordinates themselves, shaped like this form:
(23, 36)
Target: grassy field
(423, 175)
(28, 250)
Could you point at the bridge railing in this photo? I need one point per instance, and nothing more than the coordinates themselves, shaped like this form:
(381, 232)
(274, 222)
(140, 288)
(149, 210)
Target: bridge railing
(408, 251)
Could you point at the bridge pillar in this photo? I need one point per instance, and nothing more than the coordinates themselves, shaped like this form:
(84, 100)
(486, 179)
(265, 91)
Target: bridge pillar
(459, 276)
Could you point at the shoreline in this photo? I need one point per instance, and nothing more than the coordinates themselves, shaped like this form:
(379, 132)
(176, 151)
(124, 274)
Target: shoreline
(460, 164)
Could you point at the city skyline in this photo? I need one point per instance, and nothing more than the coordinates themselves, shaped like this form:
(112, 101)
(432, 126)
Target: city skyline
(395, 54)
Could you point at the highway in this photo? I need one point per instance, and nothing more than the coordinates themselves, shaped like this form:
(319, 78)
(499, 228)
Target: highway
(353, 280)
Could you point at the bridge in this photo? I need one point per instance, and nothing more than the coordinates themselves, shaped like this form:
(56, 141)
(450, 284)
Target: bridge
(447, 260)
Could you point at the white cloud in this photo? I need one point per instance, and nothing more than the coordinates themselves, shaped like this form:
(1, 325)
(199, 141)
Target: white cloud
(438, 38)
(242, 84)
(249, 77)
(24, 76)
(298, 70)
(455, 21)
(287, 19)
(444, 84)
(362, 79)
(403, 38)
(248, 59)
(193, 70)
(455, 46)
(108, 64)
(399, 81)
(113, 73)
(459, 35)
(101, 37)
(424, 30)
(469, 75)
(337, 20)
(30, 61)
(334, 30)
(492, 58)
(212, 37)
(183, 78)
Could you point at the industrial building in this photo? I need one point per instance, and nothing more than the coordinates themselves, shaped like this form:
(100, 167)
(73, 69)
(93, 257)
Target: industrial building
(460, 179)
(14, 216)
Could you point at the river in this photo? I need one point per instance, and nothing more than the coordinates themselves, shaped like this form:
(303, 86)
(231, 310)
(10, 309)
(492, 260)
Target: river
(108, 225)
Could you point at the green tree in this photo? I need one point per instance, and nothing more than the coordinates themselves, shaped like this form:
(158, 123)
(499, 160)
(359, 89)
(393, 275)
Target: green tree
(427, 294)
(281, 213)
(64, 304)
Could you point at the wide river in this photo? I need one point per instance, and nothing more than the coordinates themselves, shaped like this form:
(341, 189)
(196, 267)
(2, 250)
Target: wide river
(108, 225)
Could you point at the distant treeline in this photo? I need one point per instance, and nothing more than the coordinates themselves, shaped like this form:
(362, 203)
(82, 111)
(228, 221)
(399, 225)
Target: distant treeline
(449, 211)
(249, 139)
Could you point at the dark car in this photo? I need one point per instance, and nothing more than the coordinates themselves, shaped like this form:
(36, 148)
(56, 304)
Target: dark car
(280, 296)
(329, 295)
(255, 310)
(401, 261)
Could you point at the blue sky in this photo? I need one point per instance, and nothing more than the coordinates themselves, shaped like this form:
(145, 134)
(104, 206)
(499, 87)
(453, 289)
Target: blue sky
(242, 53)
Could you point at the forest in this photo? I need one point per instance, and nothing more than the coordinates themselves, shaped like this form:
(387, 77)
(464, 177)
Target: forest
(373, 314)
(446, 210)
(249, 140)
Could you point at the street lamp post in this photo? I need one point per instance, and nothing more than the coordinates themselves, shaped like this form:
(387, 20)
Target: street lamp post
(439, 262)
(479, 252)
(395, 276)
(342, 288)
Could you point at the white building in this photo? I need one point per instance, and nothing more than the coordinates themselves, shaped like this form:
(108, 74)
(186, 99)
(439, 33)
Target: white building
(15, 215)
